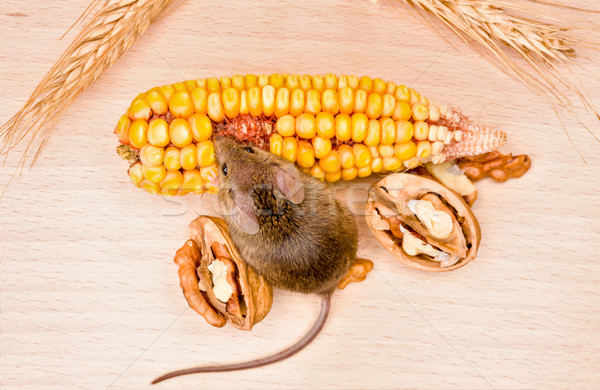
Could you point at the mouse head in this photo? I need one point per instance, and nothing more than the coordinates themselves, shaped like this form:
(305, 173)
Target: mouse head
(241, 170)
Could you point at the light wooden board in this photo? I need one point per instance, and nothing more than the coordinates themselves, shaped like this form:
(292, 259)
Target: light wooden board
(89, 293)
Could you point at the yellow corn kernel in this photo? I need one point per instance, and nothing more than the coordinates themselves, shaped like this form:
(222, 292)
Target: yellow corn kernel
(374, 151)
(423, 149)
(181, 104)
(388, 131)
(390, 88)
(332, 177)
(402, 111)
(377, 164)
(391, 163)
(192, 181)
(353, 81)
(122, 129)
(349, 173)
(135, 173)
(405, 151)
(386, 150)
(373, 133)
(213, 85)
(290, 148)
(167, 91)
(346, 156)
(157, 102)
(179, 87)
(297, 98)
(158, 132)
(251, 80)
(306, 82)
(190, 84)
(325, 123)
(282, 102)
(206, 153)
(389, 105)
(180, 132)
(215, 107)
(374, 106)
(362, 155)
(210, 177)
(414, 97)
(237, 82)
(151, 155)
(140, 109)
(364, 171)
(268, 100)
(317, 172)
(255, 101)
(201, 83)
(402, 93)
(305, 157)
(138, 133)
(360, 100)
(305, 126)
(346, 100)
(154, 174)
(286, 125)
(148, 186)
(366, 84)
(342, 82)
(313, 102)
(359, 127)
(318, 83)
(343, 127)
(421, 130)
(244, 109)
(231, 102)
(404, 131)
(331, 162)
(201, 127)
(276, 80)
(322, 146)
(263, 79)
(200, 100)
(330, 102)
(189, 157)
(276, 144)
(330, 81)
(379, 86)
(172, 159)
(420, 112)
(292, 82)
(172, 182)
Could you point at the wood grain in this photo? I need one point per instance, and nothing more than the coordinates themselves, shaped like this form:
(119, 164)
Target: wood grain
(89, 293)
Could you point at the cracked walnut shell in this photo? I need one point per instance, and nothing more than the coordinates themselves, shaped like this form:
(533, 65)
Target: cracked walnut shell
(422, 223)
(216, 282)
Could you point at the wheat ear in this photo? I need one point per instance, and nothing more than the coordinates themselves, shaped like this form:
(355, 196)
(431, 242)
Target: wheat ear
(103, 39)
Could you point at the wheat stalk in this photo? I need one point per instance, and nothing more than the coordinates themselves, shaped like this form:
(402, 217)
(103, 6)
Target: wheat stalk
(103, 39)
(542, 46)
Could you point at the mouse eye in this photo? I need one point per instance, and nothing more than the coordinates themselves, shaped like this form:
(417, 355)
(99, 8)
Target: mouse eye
(224, 169)
(249, 149)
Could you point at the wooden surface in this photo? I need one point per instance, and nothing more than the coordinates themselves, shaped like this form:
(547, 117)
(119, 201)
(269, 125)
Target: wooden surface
(89, 293)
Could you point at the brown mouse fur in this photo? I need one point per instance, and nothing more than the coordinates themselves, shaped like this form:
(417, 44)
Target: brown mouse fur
(288, 226)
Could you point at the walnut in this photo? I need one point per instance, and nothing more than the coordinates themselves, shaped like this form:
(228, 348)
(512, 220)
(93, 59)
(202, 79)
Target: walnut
(357, 272)
(216, 282)
(421, 222)
(496, 165)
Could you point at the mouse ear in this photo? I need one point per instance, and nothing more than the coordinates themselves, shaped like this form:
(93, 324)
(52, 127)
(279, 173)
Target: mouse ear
(243, 214)
(289, 183)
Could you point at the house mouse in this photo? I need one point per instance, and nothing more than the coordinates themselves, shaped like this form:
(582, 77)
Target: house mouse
(288, 226)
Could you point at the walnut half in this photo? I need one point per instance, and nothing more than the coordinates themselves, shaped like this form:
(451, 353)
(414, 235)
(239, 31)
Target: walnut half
(421, 222)
(216, 282)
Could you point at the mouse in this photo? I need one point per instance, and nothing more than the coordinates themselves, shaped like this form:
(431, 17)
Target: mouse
(288, 226)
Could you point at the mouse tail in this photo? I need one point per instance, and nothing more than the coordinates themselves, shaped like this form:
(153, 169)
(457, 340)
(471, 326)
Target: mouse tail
(293, 349)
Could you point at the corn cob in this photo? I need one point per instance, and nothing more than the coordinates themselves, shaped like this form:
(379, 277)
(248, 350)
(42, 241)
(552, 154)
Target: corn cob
(331, 127)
